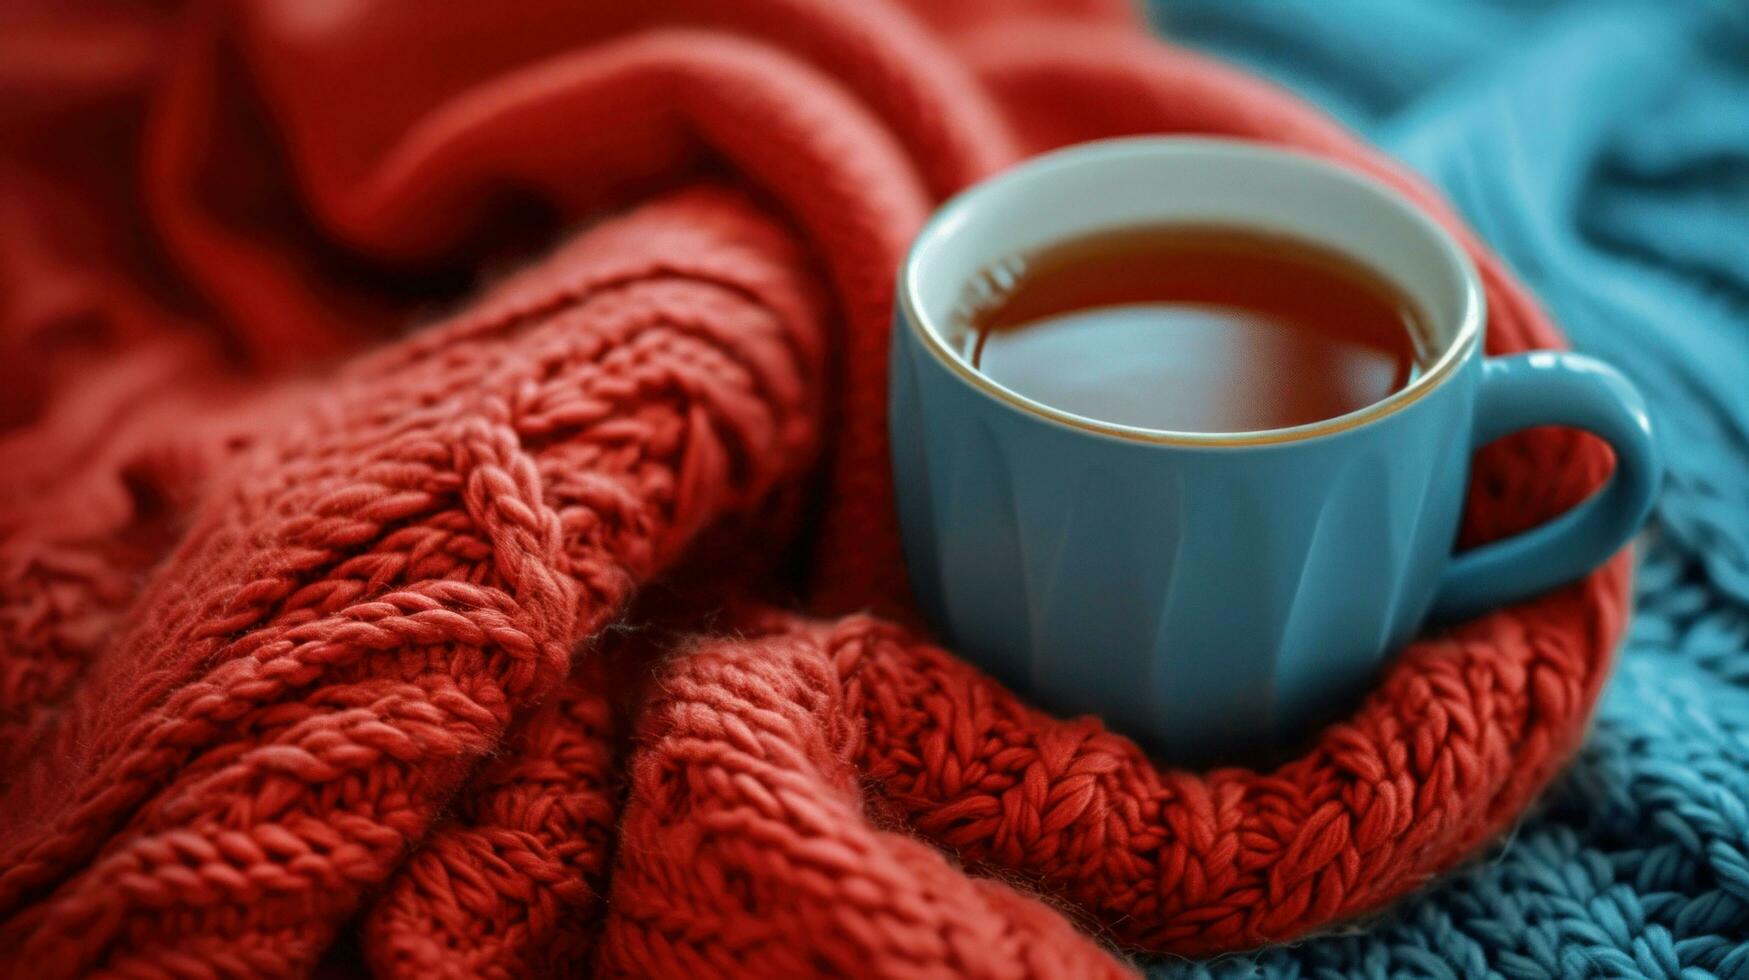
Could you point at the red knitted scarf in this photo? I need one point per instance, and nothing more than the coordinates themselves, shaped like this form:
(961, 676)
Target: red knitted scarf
(459, 649)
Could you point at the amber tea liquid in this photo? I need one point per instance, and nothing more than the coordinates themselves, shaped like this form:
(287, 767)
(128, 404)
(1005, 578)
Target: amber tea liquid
(1192, 328)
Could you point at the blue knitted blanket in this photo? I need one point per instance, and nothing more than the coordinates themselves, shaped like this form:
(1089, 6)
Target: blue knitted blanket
(1603, 148)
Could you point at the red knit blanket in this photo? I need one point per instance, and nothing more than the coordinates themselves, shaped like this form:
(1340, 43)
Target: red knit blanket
(347, 619)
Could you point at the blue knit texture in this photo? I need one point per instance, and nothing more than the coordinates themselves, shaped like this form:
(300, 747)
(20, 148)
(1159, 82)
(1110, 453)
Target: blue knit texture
(1603, 149)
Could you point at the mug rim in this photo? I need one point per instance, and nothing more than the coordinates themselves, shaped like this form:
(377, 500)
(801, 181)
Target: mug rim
(1462, 344)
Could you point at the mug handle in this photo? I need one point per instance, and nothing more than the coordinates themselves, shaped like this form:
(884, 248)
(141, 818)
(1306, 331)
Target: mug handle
(1557, 388)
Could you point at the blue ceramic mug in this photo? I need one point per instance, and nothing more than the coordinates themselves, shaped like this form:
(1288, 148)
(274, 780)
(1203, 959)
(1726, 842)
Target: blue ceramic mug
(1214, 594)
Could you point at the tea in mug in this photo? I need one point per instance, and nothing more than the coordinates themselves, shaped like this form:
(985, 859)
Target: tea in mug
(1192, 328)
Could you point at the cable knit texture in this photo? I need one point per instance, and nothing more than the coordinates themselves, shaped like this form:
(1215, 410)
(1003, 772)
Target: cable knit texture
(366, 605)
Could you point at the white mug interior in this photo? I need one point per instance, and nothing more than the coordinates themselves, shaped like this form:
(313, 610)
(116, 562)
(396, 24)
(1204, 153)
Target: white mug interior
(1193, 180)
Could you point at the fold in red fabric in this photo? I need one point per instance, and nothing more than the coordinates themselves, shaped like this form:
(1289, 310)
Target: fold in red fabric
(437, 440)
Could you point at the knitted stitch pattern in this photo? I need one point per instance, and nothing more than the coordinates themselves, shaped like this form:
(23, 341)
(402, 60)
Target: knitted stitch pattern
(454, 651)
